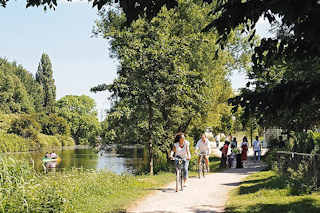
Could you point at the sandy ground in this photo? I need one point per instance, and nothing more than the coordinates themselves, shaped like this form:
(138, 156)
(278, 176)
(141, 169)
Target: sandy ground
(200, 196)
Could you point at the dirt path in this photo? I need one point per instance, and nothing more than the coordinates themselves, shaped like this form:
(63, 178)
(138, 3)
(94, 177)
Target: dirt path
(200, 196)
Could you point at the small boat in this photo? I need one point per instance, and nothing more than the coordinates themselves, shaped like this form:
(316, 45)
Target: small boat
(46, 160)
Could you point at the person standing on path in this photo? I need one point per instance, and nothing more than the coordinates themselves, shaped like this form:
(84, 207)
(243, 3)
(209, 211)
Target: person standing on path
(203, 145)
(182, 150)
(234, 142)
(281, 143)
(224, 154)
(257, 148)
(244, 151)
(217, 140)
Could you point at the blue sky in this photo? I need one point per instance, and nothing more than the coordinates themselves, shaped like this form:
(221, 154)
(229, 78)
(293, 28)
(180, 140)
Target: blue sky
(79, 61)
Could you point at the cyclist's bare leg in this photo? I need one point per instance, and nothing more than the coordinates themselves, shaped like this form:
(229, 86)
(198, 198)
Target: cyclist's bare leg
(186, 172)
(207, 162)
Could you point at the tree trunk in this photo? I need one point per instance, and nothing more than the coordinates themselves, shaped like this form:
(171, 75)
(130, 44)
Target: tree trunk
(251, 133)
(150, 139)
(150, 157)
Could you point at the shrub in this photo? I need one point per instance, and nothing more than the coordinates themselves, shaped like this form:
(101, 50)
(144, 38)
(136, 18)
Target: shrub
(53, 124)
(301, 180)
(5, 121)
(25, 126)
(49, 141)
(15, 143)
(66, 140)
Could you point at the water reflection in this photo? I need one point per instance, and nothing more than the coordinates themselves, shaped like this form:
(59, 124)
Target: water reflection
(118, 159)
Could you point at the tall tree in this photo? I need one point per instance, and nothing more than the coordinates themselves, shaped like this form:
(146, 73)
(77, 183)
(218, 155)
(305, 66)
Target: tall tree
(44, 76)
(167, 76)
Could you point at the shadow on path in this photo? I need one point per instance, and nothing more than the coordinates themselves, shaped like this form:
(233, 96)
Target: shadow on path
(305, 205)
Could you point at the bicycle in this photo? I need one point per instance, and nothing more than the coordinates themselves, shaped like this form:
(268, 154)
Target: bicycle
(202, 167)
(179, 172)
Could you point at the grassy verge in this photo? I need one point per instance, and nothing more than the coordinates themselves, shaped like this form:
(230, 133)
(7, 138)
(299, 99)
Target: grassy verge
(103, 192)
(23, 190)
(265, 192)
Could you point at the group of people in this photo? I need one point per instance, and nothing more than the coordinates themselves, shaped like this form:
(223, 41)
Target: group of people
(51, 155)
(181, 149)
(227, 159)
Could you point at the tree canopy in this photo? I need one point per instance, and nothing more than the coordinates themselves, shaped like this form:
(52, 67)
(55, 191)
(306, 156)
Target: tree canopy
(81, 115)
(20, 92)
(168, 78)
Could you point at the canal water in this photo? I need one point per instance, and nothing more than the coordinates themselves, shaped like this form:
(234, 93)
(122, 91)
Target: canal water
(117, 159)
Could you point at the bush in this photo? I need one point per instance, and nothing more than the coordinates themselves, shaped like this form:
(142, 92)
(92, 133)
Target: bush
(15, 143)
(53, 124)
(5, 121)
(49, 141)
(25, 126)
(301, 180)
(66, 140)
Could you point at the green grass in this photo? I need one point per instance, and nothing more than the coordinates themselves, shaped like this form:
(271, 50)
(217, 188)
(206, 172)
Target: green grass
(101, 191)
(78, 191)
(266, 192)
(24, 190)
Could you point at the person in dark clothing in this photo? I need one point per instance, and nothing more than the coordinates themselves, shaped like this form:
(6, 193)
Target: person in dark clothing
(224, 154)
(281, 142)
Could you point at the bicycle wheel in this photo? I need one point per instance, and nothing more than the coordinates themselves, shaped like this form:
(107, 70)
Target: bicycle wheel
(203, 169)
(199, 170)
(181, 179)
(177, 179)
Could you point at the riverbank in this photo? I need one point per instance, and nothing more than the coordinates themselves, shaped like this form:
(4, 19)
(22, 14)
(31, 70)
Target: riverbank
(266, 192)
(15, 143)
(77, 190)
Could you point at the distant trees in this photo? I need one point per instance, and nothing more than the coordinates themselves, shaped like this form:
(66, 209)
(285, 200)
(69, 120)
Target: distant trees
(44, 77)
(81, 116)
(34, 98)
(19, 92)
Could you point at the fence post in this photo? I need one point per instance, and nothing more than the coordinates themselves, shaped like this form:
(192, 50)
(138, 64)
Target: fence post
(278, 159)
(315, 169)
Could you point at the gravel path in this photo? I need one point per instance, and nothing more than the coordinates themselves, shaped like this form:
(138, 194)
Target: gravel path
(200, 196)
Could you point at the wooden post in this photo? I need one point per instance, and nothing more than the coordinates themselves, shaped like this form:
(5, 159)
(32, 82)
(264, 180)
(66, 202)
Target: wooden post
(315, 169)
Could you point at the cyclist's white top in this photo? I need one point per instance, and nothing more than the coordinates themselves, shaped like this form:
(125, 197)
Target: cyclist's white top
(203, 147)
(182, 151)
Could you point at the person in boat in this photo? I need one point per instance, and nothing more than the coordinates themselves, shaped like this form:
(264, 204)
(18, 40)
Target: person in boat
(53, 155)
(46, 156)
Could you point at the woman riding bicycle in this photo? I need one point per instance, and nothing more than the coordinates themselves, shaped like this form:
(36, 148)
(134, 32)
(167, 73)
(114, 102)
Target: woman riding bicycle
(203, 146)
(181, 150)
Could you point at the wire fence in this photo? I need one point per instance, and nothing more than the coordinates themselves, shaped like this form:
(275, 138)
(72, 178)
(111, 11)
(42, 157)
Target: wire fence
(301, 168)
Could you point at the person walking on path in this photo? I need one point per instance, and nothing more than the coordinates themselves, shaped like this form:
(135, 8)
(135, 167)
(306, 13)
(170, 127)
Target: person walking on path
(203, 146)
(182, 150)
(257, 148)
(244, 151)
(217, 140)
(224, 154)
(234, 142)
(281, 143)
